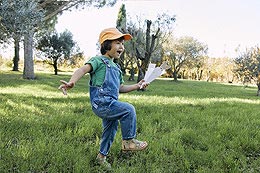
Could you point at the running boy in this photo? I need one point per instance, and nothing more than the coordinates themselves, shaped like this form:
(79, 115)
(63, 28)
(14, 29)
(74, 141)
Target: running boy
(106, 83)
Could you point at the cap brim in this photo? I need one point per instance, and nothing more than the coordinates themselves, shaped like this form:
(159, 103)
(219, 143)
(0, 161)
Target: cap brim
(126, 37)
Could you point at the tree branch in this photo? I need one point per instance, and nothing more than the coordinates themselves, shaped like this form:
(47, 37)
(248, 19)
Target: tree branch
(57, 11)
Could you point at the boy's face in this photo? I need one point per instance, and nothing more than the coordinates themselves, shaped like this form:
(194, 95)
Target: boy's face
(117, 48)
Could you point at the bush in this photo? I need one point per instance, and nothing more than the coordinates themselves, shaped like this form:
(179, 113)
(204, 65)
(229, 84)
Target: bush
(5, 63)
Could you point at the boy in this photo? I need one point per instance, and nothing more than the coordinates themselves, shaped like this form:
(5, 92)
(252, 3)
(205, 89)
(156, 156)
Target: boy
(105, 84)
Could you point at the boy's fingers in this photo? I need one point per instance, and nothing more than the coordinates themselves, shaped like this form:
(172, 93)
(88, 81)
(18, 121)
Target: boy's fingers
(67, 84)
(144, 85)
(63, 87)
(64, 82)
(64, 91)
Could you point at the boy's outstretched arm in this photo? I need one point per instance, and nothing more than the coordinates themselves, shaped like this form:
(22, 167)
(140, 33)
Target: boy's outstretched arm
(128, 88)
(79, 73)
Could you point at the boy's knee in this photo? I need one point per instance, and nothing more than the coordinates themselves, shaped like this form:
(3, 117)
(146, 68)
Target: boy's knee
(131, 108)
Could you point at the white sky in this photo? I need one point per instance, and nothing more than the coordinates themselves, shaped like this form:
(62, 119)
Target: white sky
(221, 24)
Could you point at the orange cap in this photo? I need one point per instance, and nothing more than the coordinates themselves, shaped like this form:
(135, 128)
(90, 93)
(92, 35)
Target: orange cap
(112, 34)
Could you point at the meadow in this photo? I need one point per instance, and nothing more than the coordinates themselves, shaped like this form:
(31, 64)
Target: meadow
(191, 126)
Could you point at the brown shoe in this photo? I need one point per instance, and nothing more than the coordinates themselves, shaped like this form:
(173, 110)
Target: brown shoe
(134, 145)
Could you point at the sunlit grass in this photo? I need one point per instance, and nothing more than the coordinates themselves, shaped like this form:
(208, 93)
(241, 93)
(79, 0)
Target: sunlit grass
(164, 100)
(191, 126)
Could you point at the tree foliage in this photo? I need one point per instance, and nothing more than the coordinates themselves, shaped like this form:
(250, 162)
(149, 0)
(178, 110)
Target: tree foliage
(185, 51)
(55, 7)
(56, 47)
(121, 26)
(248, 66)
(18, 17)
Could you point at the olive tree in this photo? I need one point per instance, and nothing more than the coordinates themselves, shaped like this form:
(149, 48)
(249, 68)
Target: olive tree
(248, 66)
(57, 47)
(148, 37)
(17, 18)
(184, 51)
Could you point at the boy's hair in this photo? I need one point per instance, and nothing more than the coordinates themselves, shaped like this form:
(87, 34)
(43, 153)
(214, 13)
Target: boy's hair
(106, 45)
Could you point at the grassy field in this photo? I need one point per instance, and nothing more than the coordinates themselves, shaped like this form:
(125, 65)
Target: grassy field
(191, 126)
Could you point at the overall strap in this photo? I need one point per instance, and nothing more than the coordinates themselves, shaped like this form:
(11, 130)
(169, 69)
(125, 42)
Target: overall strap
(118, 66)
(105, 62)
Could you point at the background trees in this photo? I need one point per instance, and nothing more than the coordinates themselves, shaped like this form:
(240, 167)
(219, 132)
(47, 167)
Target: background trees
(153, 41)
(56, 48)
(17, 16)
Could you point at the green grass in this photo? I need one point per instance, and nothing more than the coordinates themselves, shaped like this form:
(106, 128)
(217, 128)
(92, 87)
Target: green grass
(191, 126)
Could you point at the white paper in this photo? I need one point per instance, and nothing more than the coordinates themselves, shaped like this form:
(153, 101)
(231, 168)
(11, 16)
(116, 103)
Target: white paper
(153, 72)
(151, 67)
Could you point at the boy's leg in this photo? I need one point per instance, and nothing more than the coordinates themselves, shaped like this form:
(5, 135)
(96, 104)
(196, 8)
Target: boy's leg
(108, 135)
(125, 113)
(128, 127)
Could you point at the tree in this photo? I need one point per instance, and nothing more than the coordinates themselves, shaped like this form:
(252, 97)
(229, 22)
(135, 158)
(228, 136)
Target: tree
(121, 26)
(184, 51)
(130, 60)
(56, 47)
(156, 34)
(53, 8)
(18, 17)
(248, 66)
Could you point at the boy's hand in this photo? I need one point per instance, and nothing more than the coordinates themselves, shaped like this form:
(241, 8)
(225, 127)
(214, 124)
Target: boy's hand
(142, 84)
(65, 86)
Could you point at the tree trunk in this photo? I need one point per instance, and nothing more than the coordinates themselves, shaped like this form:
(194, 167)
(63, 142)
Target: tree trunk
(258, 85)
(145, 61)
(16, 54)
(121, 63)
(208, 77)
(28, 72)
(150, 43)
(141, 74)
(132, 74)
(55, 66)
(183, 74)
(175, 75)
(258, 89)
(201, 72)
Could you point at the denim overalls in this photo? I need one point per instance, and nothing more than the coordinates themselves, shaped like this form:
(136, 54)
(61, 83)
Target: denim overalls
(105, 104)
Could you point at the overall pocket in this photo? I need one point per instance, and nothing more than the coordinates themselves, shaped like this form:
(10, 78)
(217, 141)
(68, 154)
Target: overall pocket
(100, 106)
